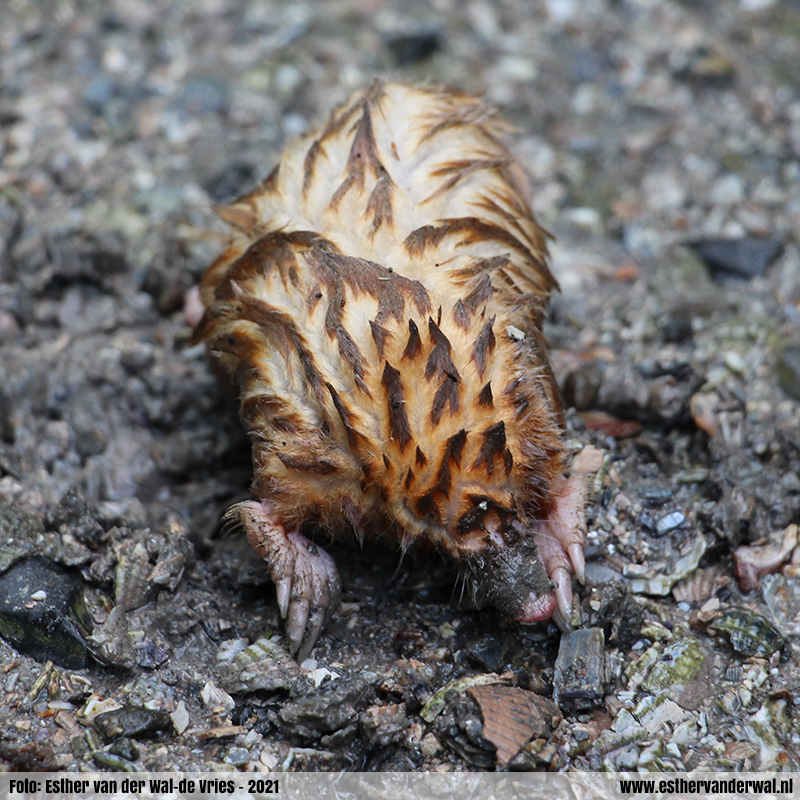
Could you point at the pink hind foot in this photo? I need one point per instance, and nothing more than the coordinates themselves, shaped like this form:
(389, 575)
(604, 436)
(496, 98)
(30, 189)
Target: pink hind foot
(305, 576)
(560, 543)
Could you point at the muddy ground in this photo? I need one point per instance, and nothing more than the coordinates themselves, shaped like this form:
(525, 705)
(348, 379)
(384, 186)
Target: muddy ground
(663, 143)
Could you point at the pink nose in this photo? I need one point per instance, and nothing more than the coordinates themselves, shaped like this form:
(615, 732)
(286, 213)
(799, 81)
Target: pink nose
(537, 608)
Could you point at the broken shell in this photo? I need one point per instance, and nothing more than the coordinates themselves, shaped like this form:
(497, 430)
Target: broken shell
(265, 665)
(749, 633)
(436, 704)
(131, 587)
(212, 695)
(753, 563)
(781, 594)
(662, 584)
(173, 559)
(698, 587)
(512, 717)
(111, 643)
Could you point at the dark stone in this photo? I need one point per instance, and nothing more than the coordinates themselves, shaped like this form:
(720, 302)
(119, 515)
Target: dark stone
(617, 614)
(330, 709)
(745, 258)
(705, 67)
(70, 508)
(411, 48)
(203, 94)
(655, 495)
(677, 328)
(10, 462)
(227, 185)
(488, 651)
(23, 530)
(582, 386)
(346, 737)
(381, 726)
(393, 759)
(98, 93)
(647, 521)
(788, 369)
(51, 629)
(90, 442)
(416, 695)
(6, 421)
(126, 748)
(73, 511)
(654, 394)
(85, 259)
(579, 678)
(678, 370)
(134, 722)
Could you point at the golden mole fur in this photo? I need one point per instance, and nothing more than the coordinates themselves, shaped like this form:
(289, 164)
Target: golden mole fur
(379, 310)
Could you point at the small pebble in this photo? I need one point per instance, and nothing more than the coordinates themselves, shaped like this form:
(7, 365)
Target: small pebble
(742, 258)
(237, 757)
(670, 522)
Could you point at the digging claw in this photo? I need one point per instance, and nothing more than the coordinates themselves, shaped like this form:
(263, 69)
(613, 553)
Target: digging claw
(296, 624)
(575, 552)
(560, 543)
(283, 589)
(305, 576)
(563, 614)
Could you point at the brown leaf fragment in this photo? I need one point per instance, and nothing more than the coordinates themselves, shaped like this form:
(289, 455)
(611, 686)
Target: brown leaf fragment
(512, 717)
(611, 426)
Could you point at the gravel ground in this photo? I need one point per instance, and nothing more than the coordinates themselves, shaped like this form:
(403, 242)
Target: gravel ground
(663, 143)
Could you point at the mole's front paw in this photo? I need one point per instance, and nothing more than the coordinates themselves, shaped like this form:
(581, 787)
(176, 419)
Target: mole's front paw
(305, 577)
(561, 541)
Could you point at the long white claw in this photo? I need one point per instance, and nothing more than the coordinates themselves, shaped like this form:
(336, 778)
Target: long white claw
(316, 619)
(296, 623)
(563, 598)
(563, 623)
(578, 561)
(283, 589)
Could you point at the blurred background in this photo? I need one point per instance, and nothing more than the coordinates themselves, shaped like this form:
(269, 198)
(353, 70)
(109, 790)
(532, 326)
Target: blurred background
(639, 120)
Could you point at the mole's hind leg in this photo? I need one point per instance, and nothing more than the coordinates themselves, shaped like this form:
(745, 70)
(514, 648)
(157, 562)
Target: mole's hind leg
(561, 540)
(305, 577)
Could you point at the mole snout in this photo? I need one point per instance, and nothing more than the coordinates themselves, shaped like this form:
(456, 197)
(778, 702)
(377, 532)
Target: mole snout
(513, 579)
